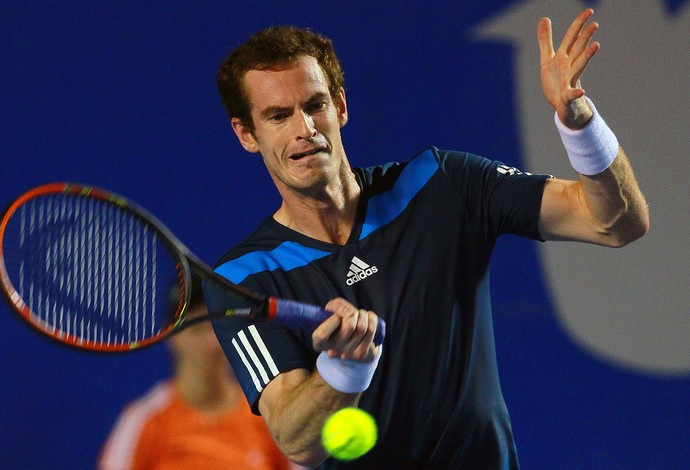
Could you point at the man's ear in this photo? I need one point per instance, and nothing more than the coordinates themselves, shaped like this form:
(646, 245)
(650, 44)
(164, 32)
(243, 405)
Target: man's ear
(245, 135)
(341, 105)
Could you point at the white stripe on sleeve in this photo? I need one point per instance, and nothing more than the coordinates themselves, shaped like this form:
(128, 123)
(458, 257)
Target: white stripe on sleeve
(264, 350)
(246, 363)
(255, 359)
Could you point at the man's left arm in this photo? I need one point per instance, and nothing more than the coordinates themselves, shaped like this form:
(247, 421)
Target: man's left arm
(605, 205)
(605, 209)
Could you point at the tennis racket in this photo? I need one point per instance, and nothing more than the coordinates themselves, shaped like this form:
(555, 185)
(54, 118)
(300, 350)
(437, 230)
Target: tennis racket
(93, 270)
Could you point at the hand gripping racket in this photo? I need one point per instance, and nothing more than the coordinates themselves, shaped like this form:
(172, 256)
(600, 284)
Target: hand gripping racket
(93, 270)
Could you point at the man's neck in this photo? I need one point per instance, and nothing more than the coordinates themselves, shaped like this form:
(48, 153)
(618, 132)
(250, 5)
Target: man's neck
(328, 216)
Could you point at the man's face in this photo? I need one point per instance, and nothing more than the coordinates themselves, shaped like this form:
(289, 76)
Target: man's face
(296, 125)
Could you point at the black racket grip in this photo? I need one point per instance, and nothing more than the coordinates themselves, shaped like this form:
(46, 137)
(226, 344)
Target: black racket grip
(308, 317)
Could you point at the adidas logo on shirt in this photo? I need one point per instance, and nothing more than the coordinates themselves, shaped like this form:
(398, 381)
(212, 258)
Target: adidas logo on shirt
(359, 270)
(510, 170)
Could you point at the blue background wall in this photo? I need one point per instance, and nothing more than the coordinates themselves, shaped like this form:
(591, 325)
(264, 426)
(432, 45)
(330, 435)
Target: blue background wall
(124, 97)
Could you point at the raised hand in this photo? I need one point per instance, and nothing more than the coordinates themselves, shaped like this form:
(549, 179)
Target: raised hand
(561, 69)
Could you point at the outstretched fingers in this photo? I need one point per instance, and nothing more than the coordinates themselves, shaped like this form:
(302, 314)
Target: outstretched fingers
(583, 51)
(561, 69)
(583, 40)
(573, 34)
(545, 39)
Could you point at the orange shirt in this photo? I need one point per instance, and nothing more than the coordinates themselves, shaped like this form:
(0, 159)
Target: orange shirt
(159, 431)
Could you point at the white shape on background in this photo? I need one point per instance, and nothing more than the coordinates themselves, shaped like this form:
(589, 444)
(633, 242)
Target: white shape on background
(630, 306)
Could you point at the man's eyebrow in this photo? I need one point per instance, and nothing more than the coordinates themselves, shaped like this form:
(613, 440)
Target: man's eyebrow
(319, 95)
(271, 110)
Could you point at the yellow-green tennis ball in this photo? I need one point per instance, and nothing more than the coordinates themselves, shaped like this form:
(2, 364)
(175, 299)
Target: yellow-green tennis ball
(349, 433)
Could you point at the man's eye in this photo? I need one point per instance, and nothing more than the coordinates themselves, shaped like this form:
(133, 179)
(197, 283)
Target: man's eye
(318, 106)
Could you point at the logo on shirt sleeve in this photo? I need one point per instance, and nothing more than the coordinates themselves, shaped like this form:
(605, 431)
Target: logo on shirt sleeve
(510, 170)
(359, 270)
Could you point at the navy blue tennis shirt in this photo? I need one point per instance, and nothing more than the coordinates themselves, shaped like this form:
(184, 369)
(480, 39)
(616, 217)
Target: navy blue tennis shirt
(418, 256)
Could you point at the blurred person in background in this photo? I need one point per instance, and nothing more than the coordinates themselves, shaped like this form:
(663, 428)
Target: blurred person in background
(198, 418)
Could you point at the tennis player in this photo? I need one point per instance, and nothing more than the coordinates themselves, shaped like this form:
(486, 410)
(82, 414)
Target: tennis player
(409, 241)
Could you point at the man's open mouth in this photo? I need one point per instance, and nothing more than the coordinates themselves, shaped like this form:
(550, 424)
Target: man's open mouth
(306, 153)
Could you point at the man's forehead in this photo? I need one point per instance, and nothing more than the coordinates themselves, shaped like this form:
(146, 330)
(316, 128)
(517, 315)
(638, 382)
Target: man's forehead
(304, 71)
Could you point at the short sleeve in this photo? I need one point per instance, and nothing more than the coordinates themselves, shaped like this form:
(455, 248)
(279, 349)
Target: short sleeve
(503, 199)
(257, 351)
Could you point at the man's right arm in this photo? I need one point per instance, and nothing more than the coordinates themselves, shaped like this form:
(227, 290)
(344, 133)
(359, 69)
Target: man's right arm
(296, 403)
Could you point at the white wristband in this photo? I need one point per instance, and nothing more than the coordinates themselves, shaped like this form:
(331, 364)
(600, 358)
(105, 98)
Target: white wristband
(591, 149)
(347, 376)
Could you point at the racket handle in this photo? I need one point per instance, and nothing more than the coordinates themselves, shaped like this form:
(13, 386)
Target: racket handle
(308, 317)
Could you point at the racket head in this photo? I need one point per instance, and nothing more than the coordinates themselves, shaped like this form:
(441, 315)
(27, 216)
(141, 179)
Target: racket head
(90, 269)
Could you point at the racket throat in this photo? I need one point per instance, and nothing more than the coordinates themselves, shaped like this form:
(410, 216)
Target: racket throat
(266, 310)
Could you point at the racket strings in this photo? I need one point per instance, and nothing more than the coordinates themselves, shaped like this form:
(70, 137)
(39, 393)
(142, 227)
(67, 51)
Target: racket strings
(89, 270)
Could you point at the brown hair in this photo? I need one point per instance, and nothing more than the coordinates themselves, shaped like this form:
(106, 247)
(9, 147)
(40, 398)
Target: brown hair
(273, 48)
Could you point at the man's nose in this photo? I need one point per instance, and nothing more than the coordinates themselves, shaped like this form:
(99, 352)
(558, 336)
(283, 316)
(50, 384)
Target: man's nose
(305, 126)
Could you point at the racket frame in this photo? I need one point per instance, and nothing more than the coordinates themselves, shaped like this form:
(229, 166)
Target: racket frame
(187, 263)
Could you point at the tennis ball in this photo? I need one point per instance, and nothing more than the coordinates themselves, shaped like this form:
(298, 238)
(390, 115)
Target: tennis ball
(349, 433)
